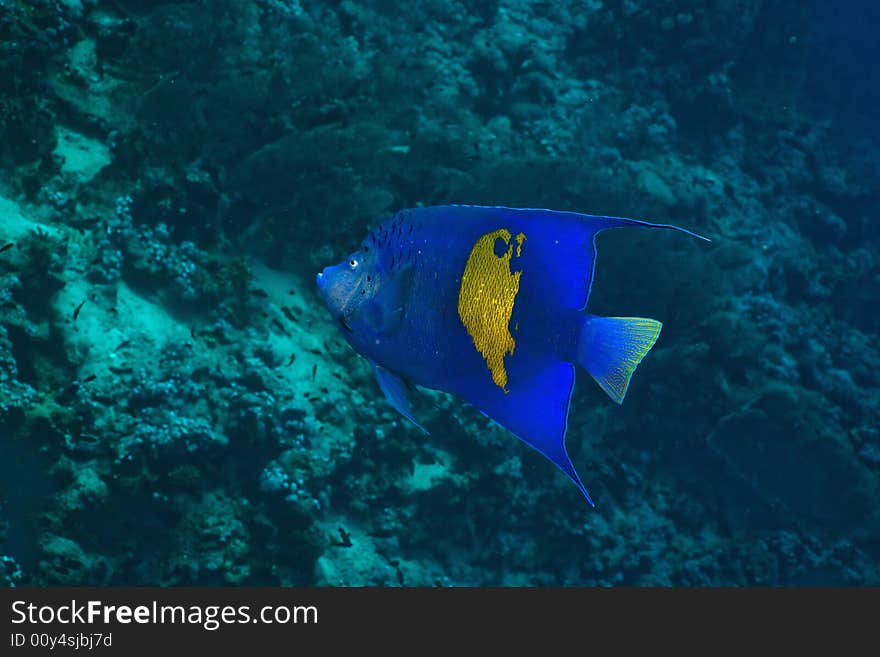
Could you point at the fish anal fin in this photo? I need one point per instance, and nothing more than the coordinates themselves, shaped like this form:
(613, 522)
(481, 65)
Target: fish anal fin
(535, 409)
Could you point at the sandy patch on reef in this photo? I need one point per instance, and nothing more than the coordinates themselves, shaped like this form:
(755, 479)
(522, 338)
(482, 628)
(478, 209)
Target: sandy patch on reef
(14, 224)
(320, 355)
(112, 317)
(83, 157)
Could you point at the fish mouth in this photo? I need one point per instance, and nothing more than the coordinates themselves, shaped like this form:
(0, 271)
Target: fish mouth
(344, 324)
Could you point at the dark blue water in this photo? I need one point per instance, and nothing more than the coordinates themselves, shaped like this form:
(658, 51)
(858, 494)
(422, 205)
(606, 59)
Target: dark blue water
(178, 407)
(842, 75)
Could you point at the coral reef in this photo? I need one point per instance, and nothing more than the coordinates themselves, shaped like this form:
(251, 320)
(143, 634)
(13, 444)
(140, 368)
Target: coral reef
(176, 407)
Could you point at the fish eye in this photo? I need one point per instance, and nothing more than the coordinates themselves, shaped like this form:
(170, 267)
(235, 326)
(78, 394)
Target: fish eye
(353, 263)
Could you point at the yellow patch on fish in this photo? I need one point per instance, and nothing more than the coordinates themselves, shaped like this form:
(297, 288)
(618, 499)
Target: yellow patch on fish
(485, 300)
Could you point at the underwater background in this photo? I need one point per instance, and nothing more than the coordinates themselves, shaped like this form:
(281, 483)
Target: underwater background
(177, 407)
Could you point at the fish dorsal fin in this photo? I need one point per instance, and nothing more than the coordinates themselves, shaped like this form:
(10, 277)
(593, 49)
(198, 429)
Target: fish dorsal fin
(567, 244)
(385, 311)
(394, 388)
(560, 245)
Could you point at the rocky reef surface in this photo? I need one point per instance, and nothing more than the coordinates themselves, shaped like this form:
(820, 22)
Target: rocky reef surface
(177, 408)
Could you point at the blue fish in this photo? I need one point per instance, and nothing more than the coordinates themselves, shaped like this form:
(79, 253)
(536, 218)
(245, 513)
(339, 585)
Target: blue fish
(488, 304)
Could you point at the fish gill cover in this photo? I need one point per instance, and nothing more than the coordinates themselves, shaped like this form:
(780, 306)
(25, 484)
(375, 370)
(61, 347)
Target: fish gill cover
(176, 406)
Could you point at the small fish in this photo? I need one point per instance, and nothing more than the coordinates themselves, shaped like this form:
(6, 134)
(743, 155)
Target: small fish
(345, 538)
(6, 247)
(122, 345)
(292, 360)
(90, 378)
(314, 371)
(257, 292)
(288, 313)
(78, 309)
(489, 304)
(280, 326)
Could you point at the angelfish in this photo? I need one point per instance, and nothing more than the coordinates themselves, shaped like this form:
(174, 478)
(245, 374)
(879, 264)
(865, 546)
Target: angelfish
(489, 304)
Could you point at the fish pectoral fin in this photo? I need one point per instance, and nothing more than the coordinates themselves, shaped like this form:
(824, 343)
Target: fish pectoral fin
(610, 349)
(386, 310)
(394, 388)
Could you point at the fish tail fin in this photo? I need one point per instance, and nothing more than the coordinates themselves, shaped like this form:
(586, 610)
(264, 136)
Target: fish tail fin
(610, 349)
